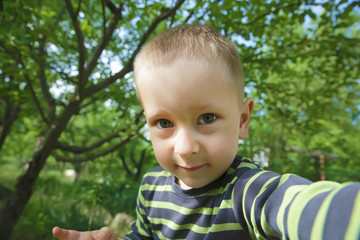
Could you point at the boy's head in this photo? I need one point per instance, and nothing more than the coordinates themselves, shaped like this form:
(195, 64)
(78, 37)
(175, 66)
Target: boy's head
(189, 82)
(202, 44)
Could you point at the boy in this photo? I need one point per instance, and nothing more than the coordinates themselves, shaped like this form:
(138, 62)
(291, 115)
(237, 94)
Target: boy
(190, 84)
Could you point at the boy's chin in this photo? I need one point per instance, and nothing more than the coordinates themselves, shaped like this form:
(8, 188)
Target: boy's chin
(189, 185)
(182, 184)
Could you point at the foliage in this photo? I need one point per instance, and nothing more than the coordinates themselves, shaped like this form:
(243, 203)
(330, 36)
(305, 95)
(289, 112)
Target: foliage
(81, 205)
(58, 203)
(67, 97)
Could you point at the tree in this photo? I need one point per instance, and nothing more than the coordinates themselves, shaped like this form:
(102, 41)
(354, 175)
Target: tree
(63, 61)
(45, 46)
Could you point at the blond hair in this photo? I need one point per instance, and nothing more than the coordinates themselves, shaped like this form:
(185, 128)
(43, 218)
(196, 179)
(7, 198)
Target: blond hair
(197, 42)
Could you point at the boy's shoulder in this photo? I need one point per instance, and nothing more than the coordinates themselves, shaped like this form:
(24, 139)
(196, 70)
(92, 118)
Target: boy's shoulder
(242, 164)
(157, 171)
(157, 175)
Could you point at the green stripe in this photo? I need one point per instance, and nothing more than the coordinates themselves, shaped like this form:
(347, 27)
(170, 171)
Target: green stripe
(288, 197)
(300, 202)
(251, 180)
(225, 204)
(353, 231)
(169, 188)
(254, 209)
(141, 200)
(139, 220)
(247, 165)
(214, 228)
(195, 228)
(221, 190)
(265, 225)
(225, 227)
(158, 188)
(181, 209)
(141, 230)
(230, 171)
(163, 173)
(284, 178)
(161, 236)
(319, 223)
(140, 212)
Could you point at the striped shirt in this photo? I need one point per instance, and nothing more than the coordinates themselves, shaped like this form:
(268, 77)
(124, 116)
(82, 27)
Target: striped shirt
(246, 203)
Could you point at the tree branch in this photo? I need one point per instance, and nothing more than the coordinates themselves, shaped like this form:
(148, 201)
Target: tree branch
(79, 150)
(10, 53)
(43, 81)
(43, 65)
(138, 116)
(190, 15)
(7, 120)
(140, 164)
(92, 157)
(82, 51)
(18, 58)
(63, 75)
(104, 17)
(91, 101)
(143, 137)
(103, 43)
(128, 67)
(36, 100)
(127, 170)
(4, 192)
(78, 9)
(112, 7)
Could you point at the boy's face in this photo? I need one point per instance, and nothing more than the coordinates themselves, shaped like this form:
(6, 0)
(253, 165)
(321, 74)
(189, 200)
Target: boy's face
(194, 117)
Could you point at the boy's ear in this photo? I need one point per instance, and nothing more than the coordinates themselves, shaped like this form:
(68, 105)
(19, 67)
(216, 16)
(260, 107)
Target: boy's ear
(247, 108)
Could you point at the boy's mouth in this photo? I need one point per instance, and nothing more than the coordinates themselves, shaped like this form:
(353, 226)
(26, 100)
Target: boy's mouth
(191, 169)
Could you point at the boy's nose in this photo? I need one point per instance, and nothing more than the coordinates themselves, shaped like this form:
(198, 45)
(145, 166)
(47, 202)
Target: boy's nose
(186, 143)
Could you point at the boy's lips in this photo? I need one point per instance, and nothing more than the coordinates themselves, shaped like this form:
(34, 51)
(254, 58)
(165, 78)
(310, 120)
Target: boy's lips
(191, 169)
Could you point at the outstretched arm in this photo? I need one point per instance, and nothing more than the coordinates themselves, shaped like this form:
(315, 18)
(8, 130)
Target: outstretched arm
(104, 233)
(291, 207)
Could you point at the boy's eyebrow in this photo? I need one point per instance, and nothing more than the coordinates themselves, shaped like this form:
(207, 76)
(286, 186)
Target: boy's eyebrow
(156, 113)
(197, 106)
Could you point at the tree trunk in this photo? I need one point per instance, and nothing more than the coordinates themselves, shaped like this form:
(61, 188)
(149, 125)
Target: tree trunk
(15, 203)
(10, 115)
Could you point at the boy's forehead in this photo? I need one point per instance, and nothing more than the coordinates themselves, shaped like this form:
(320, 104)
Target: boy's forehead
(143, 71)
(183, 87)
(201, 62)
(183, 73)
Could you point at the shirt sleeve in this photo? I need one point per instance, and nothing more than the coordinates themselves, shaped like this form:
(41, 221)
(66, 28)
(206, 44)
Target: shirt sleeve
(272, 206)
(140, 228)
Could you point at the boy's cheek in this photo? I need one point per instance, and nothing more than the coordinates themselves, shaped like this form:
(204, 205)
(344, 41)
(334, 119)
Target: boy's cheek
(222, 145)
(161, 149)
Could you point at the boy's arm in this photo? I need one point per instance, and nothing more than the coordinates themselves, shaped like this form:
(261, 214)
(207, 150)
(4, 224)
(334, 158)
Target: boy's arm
(141, 227)
(292, 207)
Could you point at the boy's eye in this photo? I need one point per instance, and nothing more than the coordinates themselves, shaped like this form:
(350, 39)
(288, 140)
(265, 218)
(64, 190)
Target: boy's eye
(163, 123)
(207, 118)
